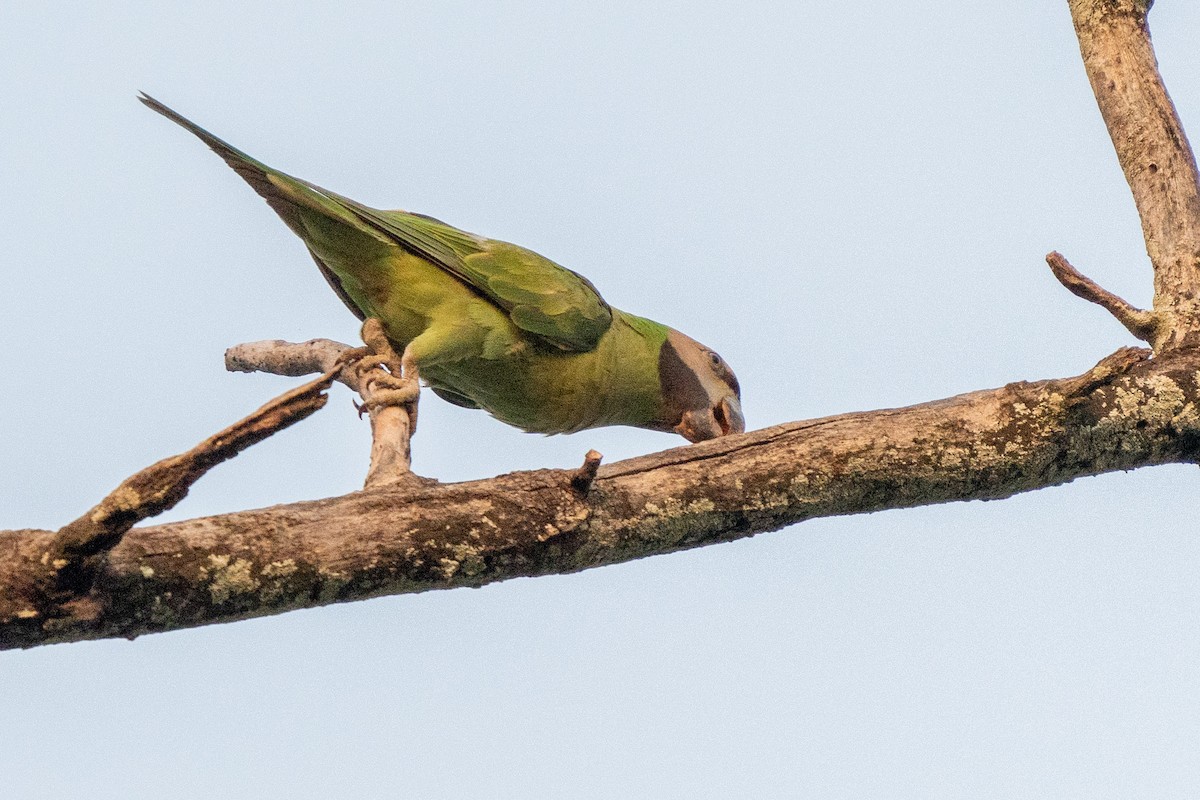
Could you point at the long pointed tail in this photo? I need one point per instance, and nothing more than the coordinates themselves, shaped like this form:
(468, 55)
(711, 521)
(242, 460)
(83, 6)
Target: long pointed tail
(254, 172)
(291, 198)
(285, 194)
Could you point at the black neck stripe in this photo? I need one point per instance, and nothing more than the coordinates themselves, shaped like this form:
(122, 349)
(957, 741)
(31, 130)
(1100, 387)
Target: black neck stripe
(681, 388)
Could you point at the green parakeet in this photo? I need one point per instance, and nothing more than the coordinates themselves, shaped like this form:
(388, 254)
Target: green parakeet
(491, 325)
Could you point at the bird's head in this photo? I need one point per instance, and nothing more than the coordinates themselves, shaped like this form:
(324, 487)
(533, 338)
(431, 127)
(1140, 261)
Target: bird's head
(701, 397)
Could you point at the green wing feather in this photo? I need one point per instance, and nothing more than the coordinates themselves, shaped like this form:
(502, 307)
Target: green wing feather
(540, 297)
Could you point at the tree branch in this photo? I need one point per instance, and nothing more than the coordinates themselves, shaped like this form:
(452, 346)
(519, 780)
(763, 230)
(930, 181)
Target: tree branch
(1142, 324)
(77, 552)
(291, 359)
(1154, 154)
(582, 479)
(1129, 411)
(373, 372)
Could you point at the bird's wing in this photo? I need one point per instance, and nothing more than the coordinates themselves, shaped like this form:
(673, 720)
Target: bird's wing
(540, 297)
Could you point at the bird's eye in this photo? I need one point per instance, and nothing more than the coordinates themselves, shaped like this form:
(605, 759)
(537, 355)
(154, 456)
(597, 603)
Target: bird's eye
(714, 358)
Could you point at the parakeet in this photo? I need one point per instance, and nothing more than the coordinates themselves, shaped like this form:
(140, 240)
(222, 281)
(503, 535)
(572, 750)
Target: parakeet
(488, 324)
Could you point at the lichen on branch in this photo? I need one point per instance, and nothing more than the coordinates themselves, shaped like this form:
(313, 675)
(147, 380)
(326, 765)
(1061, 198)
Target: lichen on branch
(1129, 411)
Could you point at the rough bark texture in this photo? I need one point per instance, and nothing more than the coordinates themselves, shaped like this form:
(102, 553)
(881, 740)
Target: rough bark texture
(1154, 153)
(1129, 411)
(79, 550)
(287, 358)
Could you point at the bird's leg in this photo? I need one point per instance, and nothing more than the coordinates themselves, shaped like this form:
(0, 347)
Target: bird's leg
(412, 376)
(377, 350)
(385, 377)
(389, 385)
(400, 385)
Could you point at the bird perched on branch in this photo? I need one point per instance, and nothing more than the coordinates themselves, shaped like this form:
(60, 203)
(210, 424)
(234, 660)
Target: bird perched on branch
(488, 324)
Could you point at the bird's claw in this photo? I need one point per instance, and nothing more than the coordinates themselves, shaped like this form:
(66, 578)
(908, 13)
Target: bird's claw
(386, 389)
(383, 377)
(351, 355)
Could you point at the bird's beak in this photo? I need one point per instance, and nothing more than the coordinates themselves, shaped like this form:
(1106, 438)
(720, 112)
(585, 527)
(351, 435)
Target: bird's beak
(729, 415)
(721, 420)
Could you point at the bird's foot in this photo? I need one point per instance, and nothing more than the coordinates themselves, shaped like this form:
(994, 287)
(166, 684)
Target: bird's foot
(351, 355)
(383, 376)
(384, 388)
(376, 352)
(365, 364)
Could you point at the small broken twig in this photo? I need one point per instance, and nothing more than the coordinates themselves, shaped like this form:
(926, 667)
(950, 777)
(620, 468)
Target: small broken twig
(286, 358)
(79, 548)
(374, 371)
(581, 479)
(1141, 323)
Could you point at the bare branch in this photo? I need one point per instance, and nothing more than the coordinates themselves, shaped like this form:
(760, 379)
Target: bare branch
(1153, 151)
(78, 550)
(374, 372)
(1129, 411)
(286, 358)
(1142, 324)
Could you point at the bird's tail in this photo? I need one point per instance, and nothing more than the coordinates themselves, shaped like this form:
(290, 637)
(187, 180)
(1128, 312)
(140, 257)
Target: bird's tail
(255, 172)
(292, 199)
(287, 195)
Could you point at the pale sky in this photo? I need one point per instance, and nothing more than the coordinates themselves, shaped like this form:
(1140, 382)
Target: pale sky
(851, 202)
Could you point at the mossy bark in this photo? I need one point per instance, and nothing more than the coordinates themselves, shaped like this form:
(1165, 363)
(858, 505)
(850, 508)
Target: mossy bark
(1130, 411)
